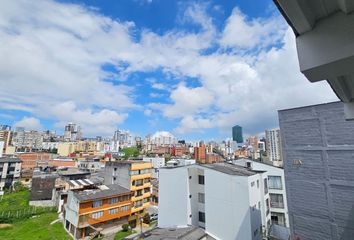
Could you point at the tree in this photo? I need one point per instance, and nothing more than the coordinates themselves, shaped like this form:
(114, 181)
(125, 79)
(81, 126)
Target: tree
(125, 227)
(146, 218)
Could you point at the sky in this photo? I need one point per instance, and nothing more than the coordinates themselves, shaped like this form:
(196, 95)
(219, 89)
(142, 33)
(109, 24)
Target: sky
(194, 68)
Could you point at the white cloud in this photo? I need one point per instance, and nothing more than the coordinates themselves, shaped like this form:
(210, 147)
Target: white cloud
(243, 33)
(51, 59)
(29, 123)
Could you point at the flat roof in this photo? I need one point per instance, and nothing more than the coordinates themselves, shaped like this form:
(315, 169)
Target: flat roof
(129, 162)
(183, 233)
(9, 160)
(72, 172)
(230, 169)
(314, 105)
(112, 190)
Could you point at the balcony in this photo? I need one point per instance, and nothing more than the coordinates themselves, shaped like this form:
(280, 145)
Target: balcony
(276, 204)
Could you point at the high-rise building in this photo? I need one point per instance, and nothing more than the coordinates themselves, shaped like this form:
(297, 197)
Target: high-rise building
(237, 134)
(27, 139)
(121, 139)
(318, 148)
(6, 137)
(274, 149)
(72, 132)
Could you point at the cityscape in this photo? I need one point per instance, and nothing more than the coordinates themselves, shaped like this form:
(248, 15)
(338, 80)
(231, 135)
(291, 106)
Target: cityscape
(191, 120)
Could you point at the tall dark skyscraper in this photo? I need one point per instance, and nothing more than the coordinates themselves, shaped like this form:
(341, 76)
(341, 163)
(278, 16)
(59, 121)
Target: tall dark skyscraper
(237, 134)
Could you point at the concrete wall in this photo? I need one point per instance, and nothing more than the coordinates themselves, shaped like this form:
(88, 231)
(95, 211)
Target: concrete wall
(318, 152)
(71, 209)
(117, 174)
(227, 206)
(174, 202)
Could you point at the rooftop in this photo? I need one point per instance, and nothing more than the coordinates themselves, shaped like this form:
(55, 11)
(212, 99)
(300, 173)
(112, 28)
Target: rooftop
(230, 169)
(9, 160)
(105, 191)
(128, 162)
(186, 233)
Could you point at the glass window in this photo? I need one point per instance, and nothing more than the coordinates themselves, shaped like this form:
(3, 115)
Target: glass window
(113, 211)
(201, 197)
(125, 208)
(252, 184)
(201, 179)
(276, 200)
(97, 215)
(275, 182)
(201, 217)
(112, 200)
(97, 203)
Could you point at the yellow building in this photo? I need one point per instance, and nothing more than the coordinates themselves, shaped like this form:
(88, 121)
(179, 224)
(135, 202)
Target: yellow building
(65, 149)
(135, 175)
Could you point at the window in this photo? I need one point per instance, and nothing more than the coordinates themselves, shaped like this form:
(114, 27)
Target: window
(146, 180)
(257, 183)
(201, 179)
(112, 200)
(115, 169)
(97, 204)
(113, 211)
(138, 193)
(201, 197)
(139, 182)
(125, 208)
(97, 215)
(252, 184)
(138, 203)
(275, 182)
(201, 217)
(259, 205)
(276, 200)
(145, 200)
(265, 186)
(255, 232)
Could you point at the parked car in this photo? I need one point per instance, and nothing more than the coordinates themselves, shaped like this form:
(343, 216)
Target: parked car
(153, 216)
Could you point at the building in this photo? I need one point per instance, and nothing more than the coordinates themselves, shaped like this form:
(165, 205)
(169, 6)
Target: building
(181, 233)
(133, 175)
(43, 190)
(274, 149)
(90, 165)
(179, 151)
(27, 139)
(200, 154)
(320, 25)
(162, 138)
(6, 137)
(34, 160)
(67, 148)
(277, 190)
(1, 148)
(228, 201)
(318, 148)
(237, 134)
(157, 163)
(10, 169)
(72, 132)
(122, 139)
(86, 211)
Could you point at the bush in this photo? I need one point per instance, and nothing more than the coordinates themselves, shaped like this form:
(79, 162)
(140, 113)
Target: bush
(146, 218)
(125, 227)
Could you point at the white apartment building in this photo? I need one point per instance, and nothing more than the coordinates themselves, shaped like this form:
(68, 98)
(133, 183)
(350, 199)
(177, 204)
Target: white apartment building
(29, 139)
(1, 148)
(228, 201)
(10, 170)
(274, 150)
(277, 191)
(157, 163)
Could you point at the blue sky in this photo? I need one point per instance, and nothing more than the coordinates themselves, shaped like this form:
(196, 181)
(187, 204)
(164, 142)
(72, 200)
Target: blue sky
(194, 68)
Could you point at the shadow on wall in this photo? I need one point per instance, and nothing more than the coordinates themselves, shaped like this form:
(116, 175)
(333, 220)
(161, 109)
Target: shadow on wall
(348, 233)
(256, 225)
